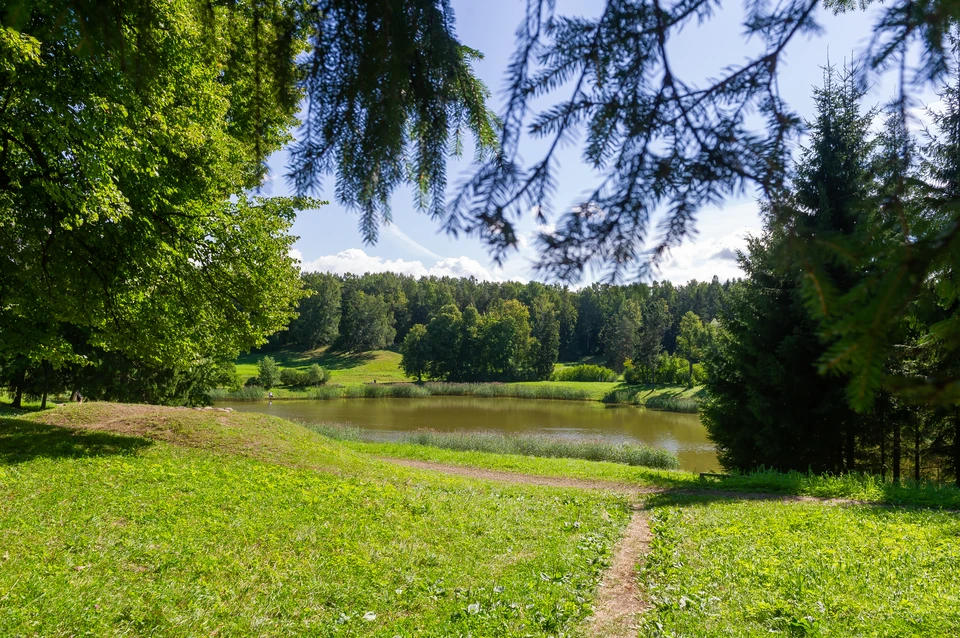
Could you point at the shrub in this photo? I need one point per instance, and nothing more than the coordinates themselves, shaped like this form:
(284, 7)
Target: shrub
(252, 382)
(294, 378)
(632, 375)
(317, 375)
(585, 372)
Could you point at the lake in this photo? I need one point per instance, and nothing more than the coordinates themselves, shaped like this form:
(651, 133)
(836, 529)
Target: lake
(389, 419)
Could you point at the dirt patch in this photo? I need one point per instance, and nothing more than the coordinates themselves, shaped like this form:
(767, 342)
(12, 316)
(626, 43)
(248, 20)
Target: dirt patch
(522, 479)
(619, 603)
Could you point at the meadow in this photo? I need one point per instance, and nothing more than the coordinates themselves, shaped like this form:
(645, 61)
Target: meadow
(144, 520)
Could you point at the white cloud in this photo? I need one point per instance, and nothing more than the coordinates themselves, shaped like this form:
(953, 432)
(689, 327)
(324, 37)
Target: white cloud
(355, 260)
(702, 259)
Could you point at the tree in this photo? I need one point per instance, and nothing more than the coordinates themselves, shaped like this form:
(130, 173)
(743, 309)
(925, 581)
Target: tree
(545, 330)
(126, 227)
(505, 341)
(621, 334)
(656, 321)
(268, 372)
(317, 375)
(691, 341)
(444, 333)
(319, 320)
(367, 323)
(415, 352)
(768, 405)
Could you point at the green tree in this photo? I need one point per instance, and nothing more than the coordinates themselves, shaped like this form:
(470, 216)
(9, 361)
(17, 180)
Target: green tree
(367, 323)
(415, 352)
(318, 323)
(768, 405)
(621, 334)
(268, 372)
(691, 341)
(317, 375)
(505, 341)
(444, 333)
(545, 330)
(656, 321)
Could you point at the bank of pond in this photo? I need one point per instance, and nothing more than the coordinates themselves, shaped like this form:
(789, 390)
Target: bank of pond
(671, 399)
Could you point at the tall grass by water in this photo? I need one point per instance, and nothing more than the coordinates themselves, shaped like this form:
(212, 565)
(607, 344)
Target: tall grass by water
(410, 391)
(546, 447)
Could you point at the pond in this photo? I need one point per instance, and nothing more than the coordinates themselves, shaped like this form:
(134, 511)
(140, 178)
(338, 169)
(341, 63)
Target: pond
(389, 419)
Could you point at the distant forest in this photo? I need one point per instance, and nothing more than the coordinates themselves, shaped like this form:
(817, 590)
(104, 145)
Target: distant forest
(527, 327)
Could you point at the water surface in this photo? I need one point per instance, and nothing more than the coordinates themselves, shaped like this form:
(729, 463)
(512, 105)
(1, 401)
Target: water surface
(389, 419)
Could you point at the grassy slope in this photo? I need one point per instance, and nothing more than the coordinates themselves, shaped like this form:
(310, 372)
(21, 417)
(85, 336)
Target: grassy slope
(345, 368)
(239, 531)
(251, 525)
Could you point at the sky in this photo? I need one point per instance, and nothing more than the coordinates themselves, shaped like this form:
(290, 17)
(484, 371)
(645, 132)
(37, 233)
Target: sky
(329, 239)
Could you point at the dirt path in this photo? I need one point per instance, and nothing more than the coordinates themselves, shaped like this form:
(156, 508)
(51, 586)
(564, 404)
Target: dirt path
(618, 600)
(523, 479)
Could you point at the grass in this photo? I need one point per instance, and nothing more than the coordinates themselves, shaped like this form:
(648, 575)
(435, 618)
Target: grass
(207, 523)
(669, 398)
(345, 368)
(138, 520)
(547, 447)
(858, 487)
(748, 568)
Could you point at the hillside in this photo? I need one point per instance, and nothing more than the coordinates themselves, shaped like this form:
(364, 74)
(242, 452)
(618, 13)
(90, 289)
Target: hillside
(121, 519)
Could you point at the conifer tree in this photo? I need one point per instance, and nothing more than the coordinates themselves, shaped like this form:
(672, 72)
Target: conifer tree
(769, 405)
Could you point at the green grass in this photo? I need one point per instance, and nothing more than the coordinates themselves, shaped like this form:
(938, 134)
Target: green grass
(241, 524)
(345, 368)
(360, 369)
(752, 568)
(139, 520)
(547, 447)
(858, 487)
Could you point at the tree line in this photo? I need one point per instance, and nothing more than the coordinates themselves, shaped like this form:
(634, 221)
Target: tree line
(466, 329)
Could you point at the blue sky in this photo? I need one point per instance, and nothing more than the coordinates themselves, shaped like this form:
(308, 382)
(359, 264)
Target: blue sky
(329, 239)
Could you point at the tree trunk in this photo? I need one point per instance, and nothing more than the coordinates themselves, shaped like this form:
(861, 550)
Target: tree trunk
(916, 453)
(956, 444)
(896, 452)
(851, 447)
(883, 449)
(18, 393)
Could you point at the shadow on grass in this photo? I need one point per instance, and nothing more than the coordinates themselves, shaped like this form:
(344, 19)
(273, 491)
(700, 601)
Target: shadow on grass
(326, 359)
(22, 441)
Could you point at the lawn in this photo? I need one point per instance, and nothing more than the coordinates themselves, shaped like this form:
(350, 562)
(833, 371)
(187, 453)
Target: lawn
(345, 368)
(139, 520)
(230, 524)
(730, 567)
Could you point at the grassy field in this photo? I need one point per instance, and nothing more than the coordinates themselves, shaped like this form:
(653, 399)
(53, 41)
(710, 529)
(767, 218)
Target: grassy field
(727, 567)
(137, 520)
(384, 367)
(345, 368)
(182, 522)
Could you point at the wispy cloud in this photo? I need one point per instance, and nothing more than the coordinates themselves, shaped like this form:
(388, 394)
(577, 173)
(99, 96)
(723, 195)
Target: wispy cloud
(356, 261)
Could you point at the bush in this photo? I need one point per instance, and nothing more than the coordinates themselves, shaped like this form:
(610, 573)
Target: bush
(632, 375)
(252, 382)
(294, 378)
(585, 372)
(269, 372)
(317, 375)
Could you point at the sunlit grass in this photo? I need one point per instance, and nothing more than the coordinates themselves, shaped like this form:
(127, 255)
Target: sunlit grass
(249, 525)
(759, 568)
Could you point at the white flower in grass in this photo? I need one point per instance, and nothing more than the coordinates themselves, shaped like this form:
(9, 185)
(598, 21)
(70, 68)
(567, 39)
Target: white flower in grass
(369, 616)
(473, 609)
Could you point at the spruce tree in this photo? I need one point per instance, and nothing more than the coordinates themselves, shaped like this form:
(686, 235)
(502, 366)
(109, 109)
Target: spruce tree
(768, 405)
